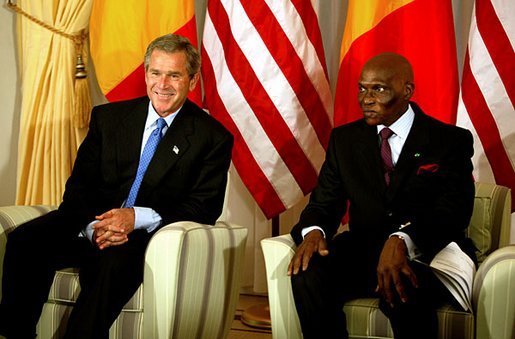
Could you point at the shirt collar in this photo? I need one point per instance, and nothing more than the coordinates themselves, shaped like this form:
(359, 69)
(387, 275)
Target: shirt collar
(401, 126)
(152, 116)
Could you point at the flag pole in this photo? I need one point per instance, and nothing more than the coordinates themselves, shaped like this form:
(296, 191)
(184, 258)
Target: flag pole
(276, 226)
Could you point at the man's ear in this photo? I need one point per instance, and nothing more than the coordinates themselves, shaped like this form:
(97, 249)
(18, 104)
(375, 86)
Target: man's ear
(194, 80)
(409, 89)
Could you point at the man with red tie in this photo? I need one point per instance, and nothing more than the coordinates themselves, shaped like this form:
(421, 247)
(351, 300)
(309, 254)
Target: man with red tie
(407, 179)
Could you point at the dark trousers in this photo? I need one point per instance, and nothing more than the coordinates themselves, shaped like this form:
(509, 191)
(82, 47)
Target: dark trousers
(38, 248)
(349, 272)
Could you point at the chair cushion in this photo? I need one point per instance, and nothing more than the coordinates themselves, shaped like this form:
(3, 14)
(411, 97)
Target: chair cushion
(65, 290)
(365, 320)
(490, 223)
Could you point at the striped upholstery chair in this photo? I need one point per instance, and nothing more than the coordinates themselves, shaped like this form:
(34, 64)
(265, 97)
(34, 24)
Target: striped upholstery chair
(191, 282)
(493, 291)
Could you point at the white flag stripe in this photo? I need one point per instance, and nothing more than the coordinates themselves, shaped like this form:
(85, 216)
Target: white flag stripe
(482, 171)
(316, 6)
(505, 10)
(292, 25)
(492, 87)
(274, 82)
(263, 151)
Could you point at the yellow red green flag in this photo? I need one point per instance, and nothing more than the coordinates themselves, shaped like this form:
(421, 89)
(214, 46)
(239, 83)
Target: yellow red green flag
(422, 31)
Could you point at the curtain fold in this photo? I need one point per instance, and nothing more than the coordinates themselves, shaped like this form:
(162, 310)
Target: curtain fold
(48, 141)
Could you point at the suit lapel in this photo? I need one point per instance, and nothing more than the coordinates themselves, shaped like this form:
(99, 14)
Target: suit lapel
(415, 144)
(368, 156)
(173, 146)
(130, 136)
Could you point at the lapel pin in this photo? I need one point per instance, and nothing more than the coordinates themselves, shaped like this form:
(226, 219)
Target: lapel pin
(417, 155)
(175, 149)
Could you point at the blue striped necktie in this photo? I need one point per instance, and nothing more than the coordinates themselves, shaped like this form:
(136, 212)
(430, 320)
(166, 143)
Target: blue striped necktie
(146, 156)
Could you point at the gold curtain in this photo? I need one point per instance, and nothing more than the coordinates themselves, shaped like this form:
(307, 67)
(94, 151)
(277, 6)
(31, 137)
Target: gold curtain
(48, 140)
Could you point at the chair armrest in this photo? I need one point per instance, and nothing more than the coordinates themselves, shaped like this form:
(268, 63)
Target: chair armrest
(13, 216)
(278, 252)
(192, 279)
(493, 295)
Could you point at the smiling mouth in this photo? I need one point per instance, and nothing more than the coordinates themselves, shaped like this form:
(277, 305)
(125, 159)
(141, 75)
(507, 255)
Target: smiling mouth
(163, 95)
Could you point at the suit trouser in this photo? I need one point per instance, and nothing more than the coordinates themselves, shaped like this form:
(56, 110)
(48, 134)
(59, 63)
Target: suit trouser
(349, 272)
(38, 248)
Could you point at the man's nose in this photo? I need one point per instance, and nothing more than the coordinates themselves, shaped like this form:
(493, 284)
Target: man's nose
(163, 81)
(367, 98)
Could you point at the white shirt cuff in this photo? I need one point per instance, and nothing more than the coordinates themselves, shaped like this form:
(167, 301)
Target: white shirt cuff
(88, 230)
(413, 251)
(306, 230)
(146, 218)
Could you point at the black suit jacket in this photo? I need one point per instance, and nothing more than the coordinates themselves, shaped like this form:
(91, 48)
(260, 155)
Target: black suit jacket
(185, 184)
(431, 186)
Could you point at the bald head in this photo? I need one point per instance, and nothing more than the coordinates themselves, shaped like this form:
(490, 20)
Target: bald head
(395, 65)
(385, 88)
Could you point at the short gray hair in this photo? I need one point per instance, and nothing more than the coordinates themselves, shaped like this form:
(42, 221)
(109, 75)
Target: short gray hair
(171, 43)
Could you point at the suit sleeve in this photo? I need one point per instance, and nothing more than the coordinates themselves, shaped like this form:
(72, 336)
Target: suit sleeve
(327, 202)
(203, 201)
(81, 195)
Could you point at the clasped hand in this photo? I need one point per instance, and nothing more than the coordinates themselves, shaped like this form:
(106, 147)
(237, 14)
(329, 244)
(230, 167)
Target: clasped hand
(113, 227)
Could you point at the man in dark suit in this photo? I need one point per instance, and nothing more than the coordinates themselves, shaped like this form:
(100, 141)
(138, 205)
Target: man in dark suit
(115, 203)
(409, 193)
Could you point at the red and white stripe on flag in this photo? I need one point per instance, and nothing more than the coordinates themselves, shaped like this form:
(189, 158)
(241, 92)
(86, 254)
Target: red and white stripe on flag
(265, 79)
(488, 92)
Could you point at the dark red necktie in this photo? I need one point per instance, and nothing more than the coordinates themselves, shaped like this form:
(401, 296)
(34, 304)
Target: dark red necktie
(386, 153)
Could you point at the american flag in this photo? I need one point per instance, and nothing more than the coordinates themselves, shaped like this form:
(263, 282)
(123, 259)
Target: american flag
(265, 79)
(488, 92)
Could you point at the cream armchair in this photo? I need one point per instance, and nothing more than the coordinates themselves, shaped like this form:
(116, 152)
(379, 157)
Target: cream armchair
(191, 282)
(493, 291)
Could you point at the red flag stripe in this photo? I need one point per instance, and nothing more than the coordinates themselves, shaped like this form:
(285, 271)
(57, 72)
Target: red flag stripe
(486, 128)
(257, 184)
(262, 106)
(497, 43)
(287, 59)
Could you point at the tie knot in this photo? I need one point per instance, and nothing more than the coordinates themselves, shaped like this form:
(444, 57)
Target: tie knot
(161, 123)
(386, 133)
